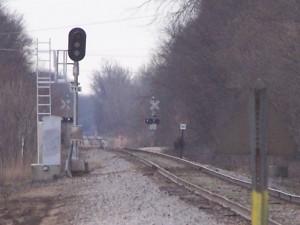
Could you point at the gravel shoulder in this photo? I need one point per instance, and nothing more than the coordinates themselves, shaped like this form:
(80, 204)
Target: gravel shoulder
(118, 191)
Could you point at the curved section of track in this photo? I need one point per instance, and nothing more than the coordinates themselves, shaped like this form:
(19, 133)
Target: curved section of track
(223, 189)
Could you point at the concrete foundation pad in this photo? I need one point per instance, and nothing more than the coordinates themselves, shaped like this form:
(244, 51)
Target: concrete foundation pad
(79, 165)
(42, 172)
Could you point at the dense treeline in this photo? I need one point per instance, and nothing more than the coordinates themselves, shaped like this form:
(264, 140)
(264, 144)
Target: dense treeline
(209, 63)
(17, 98)
(203, 71)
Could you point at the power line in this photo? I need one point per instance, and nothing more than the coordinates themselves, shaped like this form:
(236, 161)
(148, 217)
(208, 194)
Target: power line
(117, 55)
(88, 24)
(9, 50)
(91, 54)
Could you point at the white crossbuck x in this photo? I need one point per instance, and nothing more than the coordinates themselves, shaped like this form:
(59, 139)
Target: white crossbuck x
(154, 105)
(65, 104)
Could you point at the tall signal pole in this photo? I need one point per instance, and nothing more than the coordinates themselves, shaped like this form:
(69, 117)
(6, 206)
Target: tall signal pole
(76, 51)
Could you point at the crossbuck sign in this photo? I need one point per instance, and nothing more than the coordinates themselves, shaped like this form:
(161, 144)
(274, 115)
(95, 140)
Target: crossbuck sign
(154, 105)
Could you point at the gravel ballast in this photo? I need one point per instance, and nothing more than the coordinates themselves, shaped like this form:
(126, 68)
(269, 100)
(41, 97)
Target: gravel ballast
(118, 191)
(119, 194)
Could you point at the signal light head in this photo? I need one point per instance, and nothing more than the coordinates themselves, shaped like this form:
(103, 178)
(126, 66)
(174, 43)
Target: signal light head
(67, 120)
(152, 121)
(149, 121)
(77, 42)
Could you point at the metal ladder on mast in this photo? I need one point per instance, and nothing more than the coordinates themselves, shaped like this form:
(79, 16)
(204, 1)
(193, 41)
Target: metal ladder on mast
(43, 81)
(43, 88)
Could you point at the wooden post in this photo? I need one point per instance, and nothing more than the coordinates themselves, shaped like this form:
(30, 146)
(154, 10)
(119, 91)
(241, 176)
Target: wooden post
(182, 128)
(182, 143)
(258, 145)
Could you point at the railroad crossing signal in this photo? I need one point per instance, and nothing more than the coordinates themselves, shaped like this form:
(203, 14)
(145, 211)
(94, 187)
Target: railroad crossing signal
(77, 42)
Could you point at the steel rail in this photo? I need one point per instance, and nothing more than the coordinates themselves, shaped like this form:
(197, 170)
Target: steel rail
(272, 192)
(225, 202)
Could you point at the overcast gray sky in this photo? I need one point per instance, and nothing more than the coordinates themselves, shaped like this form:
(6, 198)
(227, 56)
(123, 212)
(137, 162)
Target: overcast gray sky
(116, 29)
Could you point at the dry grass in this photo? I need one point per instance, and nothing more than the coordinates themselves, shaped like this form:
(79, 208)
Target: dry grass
(87, 147)
(12, 176)
(95, 165)
(17, 174)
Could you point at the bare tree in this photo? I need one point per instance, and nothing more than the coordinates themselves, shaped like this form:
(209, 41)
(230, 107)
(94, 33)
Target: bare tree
(17, 98)
(179, 11)
(113, 99)
(207, 64)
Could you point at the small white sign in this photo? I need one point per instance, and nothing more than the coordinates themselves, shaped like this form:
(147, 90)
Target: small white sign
(152, 126)
(183, 126)
(75, 89)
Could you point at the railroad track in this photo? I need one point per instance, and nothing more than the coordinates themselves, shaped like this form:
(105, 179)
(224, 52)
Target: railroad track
(225, 190)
